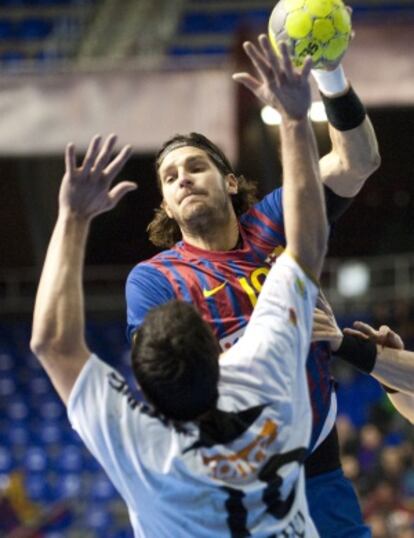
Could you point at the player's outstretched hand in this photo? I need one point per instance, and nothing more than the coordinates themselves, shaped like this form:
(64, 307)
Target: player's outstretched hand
(325, 327)
(86, 189)
(384, 336)
(277, 83)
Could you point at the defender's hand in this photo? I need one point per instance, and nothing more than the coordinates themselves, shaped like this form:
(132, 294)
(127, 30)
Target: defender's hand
(325, 327)
(85, 190)
(384, 336)
(278, 83)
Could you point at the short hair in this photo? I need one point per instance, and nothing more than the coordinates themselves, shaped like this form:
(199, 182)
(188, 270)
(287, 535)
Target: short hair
(163, 231)
(175, 361)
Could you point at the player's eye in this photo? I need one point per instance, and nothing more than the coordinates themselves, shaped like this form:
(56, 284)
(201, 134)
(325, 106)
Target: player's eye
(169, 179)
(198, 168)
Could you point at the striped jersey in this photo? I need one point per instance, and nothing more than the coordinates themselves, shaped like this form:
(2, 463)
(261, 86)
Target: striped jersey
(237, 473)
(224, 287)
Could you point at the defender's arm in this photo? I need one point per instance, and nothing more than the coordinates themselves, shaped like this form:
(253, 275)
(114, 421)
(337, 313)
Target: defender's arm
(58, 324)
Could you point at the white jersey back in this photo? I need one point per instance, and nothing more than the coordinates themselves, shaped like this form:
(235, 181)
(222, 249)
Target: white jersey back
(239, 474)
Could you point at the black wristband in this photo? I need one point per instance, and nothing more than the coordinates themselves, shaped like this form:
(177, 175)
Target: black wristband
(345, 112)
(359, 352)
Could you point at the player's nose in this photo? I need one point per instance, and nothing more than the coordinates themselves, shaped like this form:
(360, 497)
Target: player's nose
(185, 180)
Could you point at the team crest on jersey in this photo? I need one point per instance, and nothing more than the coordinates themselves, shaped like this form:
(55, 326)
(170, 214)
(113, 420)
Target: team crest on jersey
(241, 465)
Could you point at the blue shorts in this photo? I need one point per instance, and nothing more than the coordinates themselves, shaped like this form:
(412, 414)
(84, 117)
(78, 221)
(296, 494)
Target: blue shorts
(334, 506)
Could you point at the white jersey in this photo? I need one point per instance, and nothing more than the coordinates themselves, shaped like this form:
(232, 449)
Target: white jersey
(238, 475)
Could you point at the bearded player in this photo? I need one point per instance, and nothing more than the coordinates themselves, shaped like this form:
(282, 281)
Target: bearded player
(221, 247)
(216, 452)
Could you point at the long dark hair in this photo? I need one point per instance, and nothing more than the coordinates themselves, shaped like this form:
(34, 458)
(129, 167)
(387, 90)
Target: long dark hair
(163, 231)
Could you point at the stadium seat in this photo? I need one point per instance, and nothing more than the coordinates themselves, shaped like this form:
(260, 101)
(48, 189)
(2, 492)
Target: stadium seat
(38, 488)
(36, 459)
(69, 459)
(102, 489)
(99, 519)
(29, 29)
(7, 462)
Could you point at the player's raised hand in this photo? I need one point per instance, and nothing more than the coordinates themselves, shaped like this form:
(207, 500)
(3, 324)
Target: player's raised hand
(277, 82)
(86, 189)
(384, 336)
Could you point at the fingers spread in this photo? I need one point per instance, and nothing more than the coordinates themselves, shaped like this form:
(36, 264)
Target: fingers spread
(307, 66)
(119, 192)
(70, 159)
(104, 156)
(258, 60)
(115, 166)
(365, 328)
(248, 81)
(270, 55)
(354, 332)
(91, 153)
(287, 62)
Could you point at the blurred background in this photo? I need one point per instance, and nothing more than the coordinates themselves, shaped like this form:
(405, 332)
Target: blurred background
(147, 69)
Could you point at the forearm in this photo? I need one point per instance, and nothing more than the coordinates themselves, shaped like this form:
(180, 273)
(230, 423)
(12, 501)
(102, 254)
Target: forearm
(354, 157)
(404, 404)
(303, 202)
(395, 368)
(58, 322)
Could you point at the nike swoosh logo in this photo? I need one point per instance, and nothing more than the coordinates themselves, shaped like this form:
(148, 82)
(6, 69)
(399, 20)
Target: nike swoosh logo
(213, 291)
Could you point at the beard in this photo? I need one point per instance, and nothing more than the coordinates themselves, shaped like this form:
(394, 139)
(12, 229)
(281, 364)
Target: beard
(201, 219)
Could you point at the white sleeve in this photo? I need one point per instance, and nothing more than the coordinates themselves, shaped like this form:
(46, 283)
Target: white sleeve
(273, 350)
(106, 416)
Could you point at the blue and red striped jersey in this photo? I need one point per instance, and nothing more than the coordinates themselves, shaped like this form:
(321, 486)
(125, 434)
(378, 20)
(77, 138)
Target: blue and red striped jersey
(224, 286)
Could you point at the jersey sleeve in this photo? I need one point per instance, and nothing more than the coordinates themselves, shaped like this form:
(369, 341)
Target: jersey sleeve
(106, 417)
(271, 355)
(271, 205)
(146, 288)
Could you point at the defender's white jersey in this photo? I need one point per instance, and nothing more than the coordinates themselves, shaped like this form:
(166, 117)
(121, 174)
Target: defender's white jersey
(241, 473)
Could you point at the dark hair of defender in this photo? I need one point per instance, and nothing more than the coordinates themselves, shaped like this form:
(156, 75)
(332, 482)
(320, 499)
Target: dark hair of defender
(175, 361)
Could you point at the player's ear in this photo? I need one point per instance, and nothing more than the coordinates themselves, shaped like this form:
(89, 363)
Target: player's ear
(165, 207)
(232, 184)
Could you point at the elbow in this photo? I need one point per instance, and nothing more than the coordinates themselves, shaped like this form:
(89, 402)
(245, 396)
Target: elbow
(39, 346)
(366, 166)
(372, 163)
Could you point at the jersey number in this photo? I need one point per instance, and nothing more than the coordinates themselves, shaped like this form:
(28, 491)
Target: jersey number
(253, 284)
(275, 506)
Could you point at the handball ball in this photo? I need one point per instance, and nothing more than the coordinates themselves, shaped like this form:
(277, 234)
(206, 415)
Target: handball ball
(320, 29)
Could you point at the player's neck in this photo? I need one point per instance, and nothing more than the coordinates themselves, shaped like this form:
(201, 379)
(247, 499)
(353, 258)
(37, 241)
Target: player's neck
(223, 237)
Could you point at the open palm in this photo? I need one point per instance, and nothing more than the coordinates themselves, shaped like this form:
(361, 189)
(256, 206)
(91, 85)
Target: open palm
(85, 190)
(277, 83)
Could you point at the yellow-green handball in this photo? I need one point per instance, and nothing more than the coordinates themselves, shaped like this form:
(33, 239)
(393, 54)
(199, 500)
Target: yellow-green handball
(320, 29)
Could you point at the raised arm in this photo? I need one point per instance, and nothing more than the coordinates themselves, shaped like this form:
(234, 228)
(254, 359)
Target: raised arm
(355, 154)
(58, 324)
(288, 90)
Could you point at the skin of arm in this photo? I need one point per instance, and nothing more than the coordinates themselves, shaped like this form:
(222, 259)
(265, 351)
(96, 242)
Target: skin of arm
(281, 86)
(394, 366)
(354, 155)
(404, 404)
(353, 158)
(58, 329)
